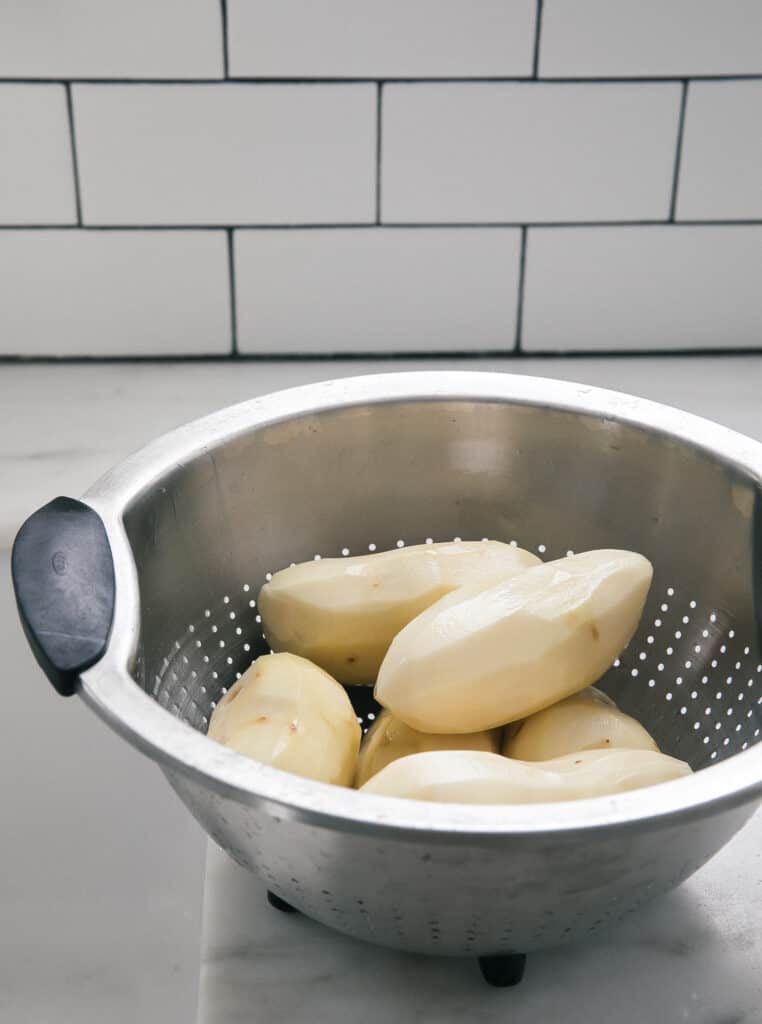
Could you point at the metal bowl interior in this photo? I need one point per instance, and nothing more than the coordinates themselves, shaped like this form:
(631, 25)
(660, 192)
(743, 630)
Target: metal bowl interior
(200, 517)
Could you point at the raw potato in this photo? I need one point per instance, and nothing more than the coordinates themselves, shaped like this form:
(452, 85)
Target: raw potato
(585, 721)
(289, 713)
(473, 777)
(482, 657)
(388, 739)
(343, 613)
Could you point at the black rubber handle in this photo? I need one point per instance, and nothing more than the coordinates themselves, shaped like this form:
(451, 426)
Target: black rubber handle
(63, 575)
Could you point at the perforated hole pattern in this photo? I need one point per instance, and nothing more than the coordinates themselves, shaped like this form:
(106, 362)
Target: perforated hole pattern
(686, 675)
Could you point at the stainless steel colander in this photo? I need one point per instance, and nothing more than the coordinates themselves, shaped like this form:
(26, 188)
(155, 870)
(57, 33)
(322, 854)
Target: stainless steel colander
(196, 521)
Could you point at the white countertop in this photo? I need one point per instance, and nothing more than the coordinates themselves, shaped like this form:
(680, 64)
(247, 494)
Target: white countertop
(102, 869)
(693, 957)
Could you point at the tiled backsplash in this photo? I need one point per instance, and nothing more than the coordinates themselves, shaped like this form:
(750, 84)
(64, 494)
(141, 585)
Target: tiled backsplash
(189, 177)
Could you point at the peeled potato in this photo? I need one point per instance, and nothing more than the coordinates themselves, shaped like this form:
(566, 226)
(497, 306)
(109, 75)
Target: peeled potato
(482, 657)
(342, 613)
(585, 721)
(474, 777)
(388, 738)
(289, 713)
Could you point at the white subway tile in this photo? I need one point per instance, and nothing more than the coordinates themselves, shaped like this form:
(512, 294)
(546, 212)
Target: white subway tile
(630, 38)
(377, 289)
(381, 38)
(721, 166)
(111, 39)
(36, 174)
(630, 288)
(120, 293)
(226, 154)
(527, 151)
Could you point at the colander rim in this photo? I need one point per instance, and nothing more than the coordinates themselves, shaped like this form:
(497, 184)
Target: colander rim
(110, 689)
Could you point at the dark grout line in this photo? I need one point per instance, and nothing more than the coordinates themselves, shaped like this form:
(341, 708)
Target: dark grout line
(183, 227)
(224, 17)
(359, 225)
(233, 306)
(520, 297)
(537, 34)
(379, 108)
(678, 152)
(401, 80)
(508, 355)
(74, 161)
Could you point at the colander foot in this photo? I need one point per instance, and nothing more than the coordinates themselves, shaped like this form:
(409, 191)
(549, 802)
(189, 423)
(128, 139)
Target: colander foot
(279, 904)
(503, 971)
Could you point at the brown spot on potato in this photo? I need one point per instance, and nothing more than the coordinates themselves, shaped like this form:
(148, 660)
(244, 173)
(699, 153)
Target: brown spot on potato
(262, 718)
(595, 632)
(351, 659)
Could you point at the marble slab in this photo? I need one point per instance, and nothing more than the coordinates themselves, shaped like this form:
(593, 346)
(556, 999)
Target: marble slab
(693, 957)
